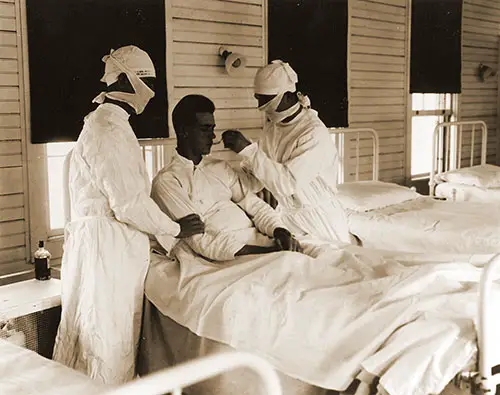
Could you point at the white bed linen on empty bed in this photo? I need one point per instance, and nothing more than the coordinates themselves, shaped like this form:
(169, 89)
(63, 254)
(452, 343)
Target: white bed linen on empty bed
(468, 193)
(323, 320)
(24, 372)
(430, 225)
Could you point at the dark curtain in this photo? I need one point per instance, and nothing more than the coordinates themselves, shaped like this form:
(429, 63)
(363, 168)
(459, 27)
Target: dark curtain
(311, 35)
(436, 46)
(66, 42)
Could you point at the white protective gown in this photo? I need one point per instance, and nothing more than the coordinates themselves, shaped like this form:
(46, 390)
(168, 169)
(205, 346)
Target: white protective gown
(298, 163)
(106, 250)
(213, 190)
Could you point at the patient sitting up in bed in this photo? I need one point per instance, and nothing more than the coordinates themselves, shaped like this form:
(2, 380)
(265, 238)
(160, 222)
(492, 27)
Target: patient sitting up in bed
(237, 222)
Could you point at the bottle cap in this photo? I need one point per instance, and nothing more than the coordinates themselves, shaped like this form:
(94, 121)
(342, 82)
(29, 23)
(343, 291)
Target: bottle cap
(40, 244)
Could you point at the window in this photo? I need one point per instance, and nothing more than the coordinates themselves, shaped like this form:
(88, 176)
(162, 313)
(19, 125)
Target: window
(56, 153)
(428, 109)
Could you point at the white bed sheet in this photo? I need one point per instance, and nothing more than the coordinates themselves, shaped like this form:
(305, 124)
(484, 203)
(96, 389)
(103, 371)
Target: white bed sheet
(24, 372)
(467, 193)
(324, 320)
(431, 226)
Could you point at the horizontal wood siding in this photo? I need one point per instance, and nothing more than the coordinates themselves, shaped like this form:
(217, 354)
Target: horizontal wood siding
(479, 100)
(198, 29)
(377, 78)
(13, 197)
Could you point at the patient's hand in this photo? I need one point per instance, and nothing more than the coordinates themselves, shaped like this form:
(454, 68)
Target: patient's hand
(251, 249)
(286, 241)
(190, 225)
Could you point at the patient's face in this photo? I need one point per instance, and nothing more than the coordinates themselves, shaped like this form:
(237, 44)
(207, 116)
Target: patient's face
(201, 135)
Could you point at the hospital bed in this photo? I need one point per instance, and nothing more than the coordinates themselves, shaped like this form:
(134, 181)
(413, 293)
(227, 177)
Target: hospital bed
(449, 177)
(24, 372)
(164, 342)
(389, 216)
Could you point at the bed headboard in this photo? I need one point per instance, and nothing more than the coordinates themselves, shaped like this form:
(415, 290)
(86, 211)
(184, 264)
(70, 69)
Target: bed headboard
(345, 138)
(158, 152)
(447, 147)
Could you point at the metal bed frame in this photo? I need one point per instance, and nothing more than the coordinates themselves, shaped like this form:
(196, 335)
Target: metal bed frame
(173, 380)
(441, 146)
(338, 134)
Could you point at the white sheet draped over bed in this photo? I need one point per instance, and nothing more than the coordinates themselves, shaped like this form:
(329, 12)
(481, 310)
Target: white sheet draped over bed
(23, 372)
(325, 320)
(429, 225)
(467, 193)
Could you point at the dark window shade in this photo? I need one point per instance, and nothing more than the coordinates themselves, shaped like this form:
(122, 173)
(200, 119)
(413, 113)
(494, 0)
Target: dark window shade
(436, 46)
(311, 35)
(66, 42)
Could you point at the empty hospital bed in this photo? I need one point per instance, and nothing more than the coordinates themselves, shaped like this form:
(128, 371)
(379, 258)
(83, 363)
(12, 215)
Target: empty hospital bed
(24, 372)
(454, 179)
(388, 216)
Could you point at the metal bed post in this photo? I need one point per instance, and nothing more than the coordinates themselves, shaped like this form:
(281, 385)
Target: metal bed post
(435, 170)
(488, 381)
(172, 380)
(376, 147)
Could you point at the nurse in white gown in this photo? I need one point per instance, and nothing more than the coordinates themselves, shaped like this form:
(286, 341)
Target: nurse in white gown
(295, 159)
(106, 250)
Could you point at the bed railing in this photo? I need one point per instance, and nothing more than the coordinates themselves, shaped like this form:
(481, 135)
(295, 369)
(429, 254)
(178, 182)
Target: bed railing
(156, 153)
(442, 164)
(343, 132)
(485, 333)
(173, 380)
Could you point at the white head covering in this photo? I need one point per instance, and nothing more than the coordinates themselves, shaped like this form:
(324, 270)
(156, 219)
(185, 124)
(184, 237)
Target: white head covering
(275, 78)
(133, 58)
(136, 64)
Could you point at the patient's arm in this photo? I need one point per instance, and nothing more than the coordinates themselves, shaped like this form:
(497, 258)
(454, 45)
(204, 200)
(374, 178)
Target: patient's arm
(251, 249)
(264, 217)
(168, 193)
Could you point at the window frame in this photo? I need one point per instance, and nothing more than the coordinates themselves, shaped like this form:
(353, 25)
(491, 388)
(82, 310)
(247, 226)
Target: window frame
(445, 115)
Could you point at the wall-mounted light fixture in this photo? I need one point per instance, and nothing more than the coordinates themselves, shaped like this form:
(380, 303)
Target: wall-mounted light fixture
(485, 72)
(235, 63)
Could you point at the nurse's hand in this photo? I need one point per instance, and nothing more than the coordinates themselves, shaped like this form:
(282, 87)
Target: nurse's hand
(235, 141)
(190, 225)
(286, 241)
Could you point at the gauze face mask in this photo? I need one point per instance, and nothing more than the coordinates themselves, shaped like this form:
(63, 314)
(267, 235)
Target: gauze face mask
(278, 116)
(138, 100)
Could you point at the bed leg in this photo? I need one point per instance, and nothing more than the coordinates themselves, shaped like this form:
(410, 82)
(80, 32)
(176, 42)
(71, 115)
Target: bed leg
(363, 389)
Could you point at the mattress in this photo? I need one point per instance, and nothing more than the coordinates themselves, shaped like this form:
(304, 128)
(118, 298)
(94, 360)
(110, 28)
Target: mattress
(468, 193)
(430, 225)
(164, 343)
(24, 372)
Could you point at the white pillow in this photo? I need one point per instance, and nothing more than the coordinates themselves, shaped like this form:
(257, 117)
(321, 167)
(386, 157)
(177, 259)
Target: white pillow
(484, 176)
(364, 196)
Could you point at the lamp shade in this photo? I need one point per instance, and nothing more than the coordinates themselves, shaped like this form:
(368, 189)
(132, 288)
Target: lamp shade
(235, 63)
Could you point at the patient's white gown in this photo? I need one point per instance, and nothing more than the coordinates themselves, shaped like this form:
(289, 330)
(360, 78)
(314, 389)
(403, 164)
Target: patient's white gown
(233, 217)
(106, 253)
(298, 163)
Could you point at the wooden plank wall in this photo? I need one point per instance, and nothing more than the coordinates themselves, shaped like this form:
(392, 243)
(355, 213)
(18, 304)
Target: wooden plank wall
(197, 30)
(479, 100)
(377, 79)
(13, 196)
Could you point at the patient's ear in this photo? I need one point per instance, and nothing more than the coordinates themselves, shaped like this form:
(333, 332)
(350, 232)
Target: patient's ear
(181, 132)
